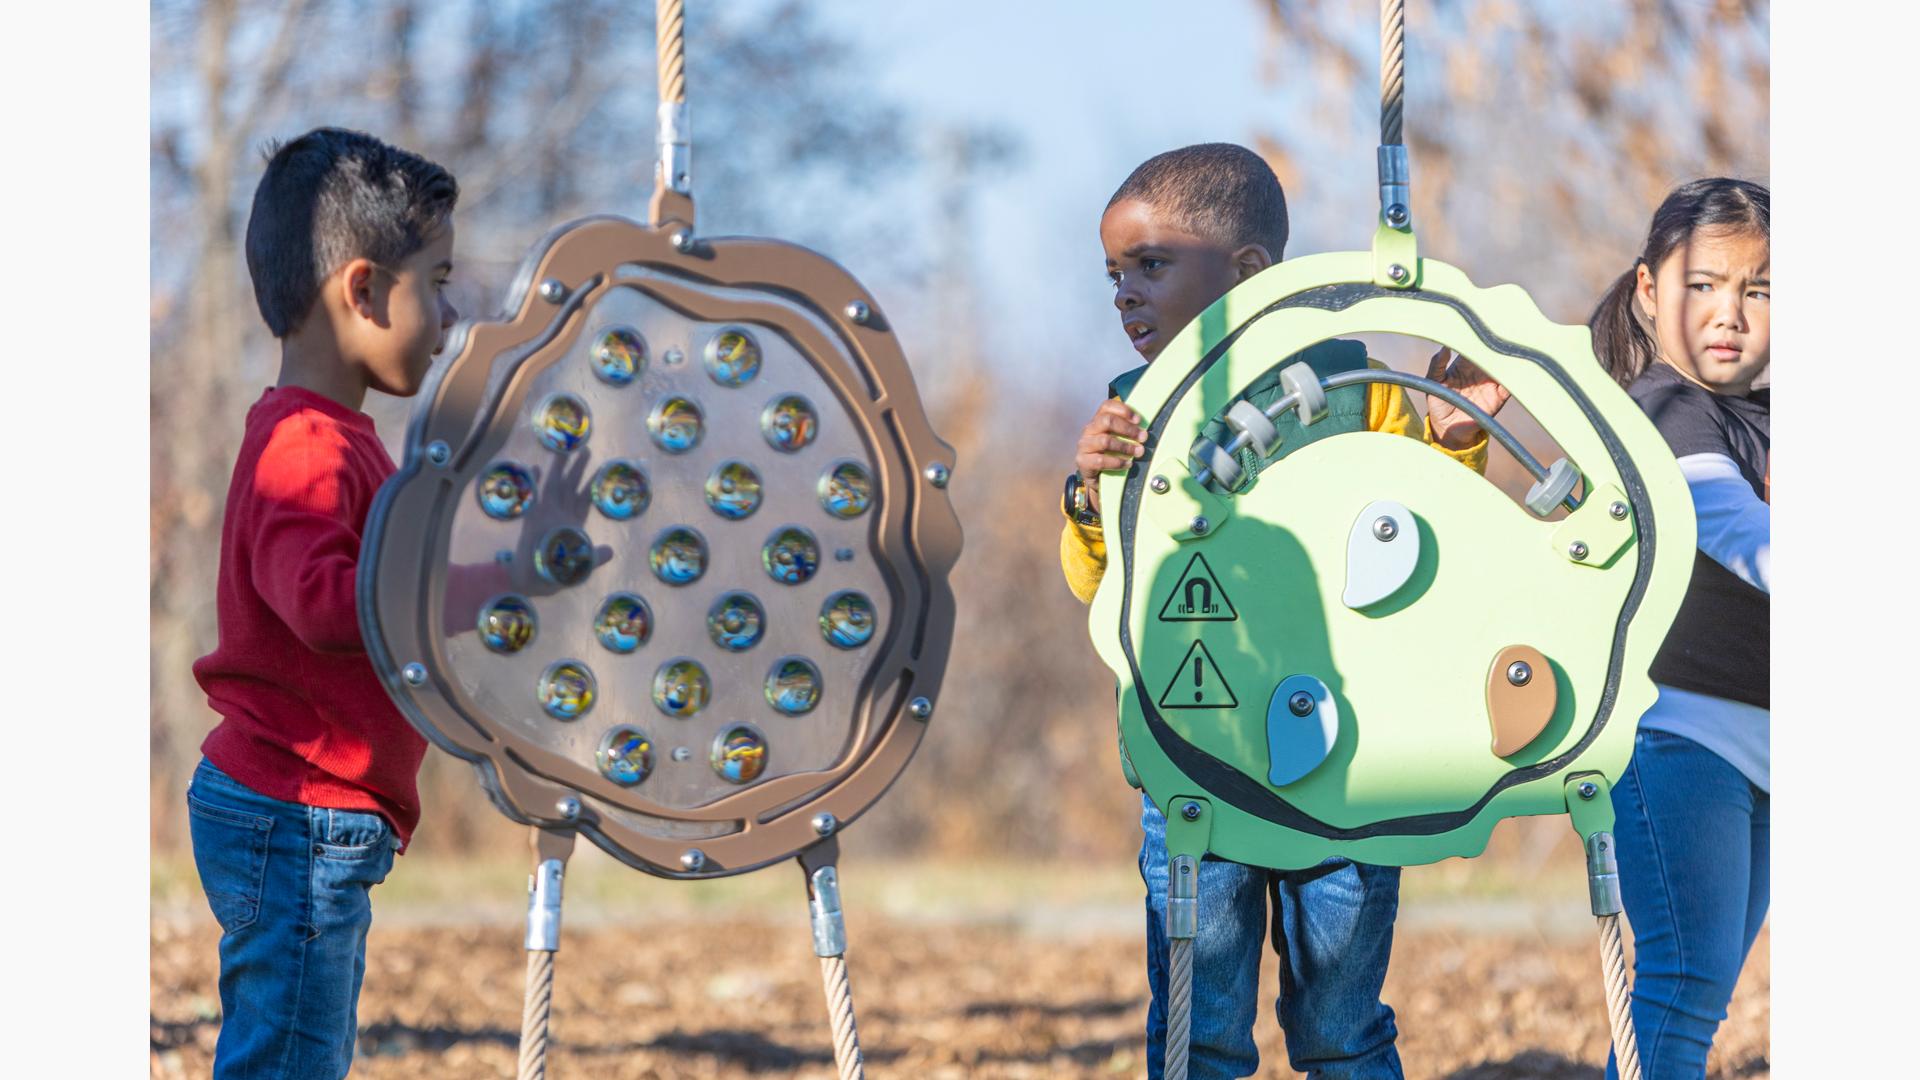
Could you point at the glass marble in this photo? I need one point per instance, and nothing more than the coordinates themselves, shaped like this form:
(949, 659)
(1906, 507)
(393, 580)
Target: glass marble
(620, 356)
(789, 423)
(733, 357)
(625, 755)
(507, 624)
(791, 555)
(624, 623)
(620, 490)
(505, 490)
(567, 690)
(793, 686)
(736, 622)
(564, 557)
(847, 620)
(563, 423)
(733, 490)
(679, 556)
(739, 754)
(846, 490)
(681, 687)
(676, 425)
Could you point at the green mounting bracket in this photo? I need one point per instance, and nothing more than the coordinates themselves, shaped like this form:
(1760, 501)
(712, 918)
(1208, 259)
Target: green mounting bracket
(1590, 804)
(1396, 258)
(1599, 530)
(1189, 825)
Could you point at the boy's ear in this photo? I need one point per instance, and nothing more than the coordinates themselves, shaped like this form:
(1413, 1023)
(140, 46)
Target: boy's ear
(356, 287)
(1250, 260)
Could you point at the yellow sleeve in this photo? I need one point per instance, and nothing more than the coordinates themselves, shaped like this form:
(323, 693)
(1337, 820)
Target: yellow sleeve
(1083, 557)
(1389, 410)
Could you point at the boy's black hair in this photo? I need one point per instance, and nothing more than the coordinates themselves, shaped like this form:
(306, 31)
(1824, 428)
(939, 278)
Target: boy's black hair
(331, 196)
(1221, 191)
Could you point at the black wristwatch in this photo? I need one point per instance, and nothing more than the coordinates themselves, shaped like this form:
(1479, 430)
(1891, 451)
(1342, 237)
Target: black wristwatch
(1075, 504)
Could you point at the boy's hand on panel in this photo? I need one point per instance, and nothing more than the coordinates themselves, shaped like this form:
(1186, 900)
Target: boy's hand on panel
(1451, 427)
(1111, 440)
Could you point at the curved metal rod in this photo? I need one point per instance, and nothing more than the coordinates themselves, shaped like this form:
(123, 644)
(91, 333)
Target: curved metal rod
(1427, 386)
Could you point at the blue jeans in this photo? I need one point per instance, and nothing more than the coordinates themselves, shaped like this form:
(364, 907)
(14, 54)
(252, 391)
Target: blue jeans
(289, 886)
(1332, 928)
(1691, 836)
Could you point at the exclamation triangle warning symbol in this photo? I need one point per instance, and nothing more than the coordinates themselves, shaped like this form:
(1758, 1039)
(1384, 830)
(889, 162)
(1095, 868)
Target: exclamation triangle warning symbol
(1197, 596)
(1198, 684)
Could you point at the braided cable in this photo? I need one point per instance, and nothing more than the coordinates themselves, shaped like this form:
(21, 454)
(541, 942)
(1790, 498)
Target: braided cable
(846, 1039)
(1613, 964)
(1179, 1009)
(670, 27)
(535, 1017)
(1393, 84)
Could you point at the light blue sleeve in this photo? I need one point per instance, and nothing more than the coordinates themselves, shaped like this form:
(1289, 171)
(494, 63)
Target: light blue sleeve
(1735, 529)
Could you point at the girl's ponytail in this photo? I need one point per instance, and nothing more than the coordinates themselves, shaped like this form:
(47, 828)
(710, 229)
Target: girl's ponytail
(1620, 342)
(1623, 343)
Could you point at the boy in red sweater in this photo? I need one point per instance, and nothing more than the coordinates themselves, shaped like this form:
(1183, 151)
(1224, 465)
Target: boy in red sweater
(306, 789)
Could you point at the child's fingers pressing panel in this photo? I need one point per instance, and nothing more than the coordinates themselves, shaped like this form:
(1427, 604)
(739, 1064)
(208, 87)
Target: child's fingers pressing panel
(1111, 440)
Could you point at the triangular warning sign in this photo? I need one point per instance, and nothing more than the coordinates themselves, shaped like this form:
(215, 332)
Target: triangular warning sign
(1198, 684)
(1197, 596)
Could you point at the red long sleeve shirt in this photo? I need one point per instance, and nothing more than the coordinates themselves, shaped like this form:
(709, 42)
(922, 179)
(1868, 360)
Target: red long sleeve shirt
(304, 716)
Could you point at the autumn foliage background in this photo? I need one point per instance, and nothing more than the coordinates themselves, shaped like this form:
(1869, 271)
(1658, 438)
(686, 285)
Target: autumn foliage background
(1541, 133)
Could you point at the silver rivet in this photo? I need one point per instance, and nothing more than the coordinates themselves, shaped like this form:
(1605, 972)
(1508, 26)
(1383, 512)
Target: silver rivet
(552, 291)
(569, 807)
(1200, 526)
(859, 312)
(1385, 529)
(1519, 673)
(682, 240)
(824, 824)
(415, 674)
(1588, 789)
(673, 355)
(938, 475)
(692, 860)
(843, 555)
(1191, 812)
(503, 556)
(1577, 549)
(438, 452)
(1397, 272)
(1159, 485)
(681, 753)
(1618, 510)
(920, 707)
(1397, 215)
(1301, 703)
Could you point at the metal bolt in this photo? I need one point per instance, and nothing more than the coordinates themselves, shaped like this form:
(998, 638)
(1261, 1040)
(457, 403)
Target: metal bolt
(843, 554)
(1191, 811)
(1397, 215)
(1159, 485)
(920, 707)
(1200, 526)
(859, 312)
(938, 475)
(1519, 673)
(1398, 273)
(415, 674)
(681, 753)
(1577, 549)
(1618, 510)
(1588, 789)
(438, 452)
(569, 807)
(1384, 529)
(682, 242)
(824, 824)
(692, 860)
(673, 355)
(553, 291)
(1301, 703)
